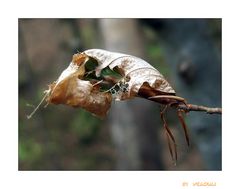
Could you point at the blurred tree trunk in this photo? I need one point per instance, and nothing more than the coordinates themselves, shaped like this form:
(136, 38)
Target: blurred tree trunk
(134, 130)
(196, 66)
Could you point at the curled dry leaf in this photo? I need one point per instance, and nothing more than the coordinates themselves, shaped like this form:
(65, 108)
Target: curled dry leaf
(136, 73)
(130, 76)
(71, 90)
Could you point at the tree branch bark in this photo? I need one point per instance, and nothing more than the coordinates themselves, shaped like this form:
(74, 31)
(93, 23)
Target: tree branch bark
(193, 107)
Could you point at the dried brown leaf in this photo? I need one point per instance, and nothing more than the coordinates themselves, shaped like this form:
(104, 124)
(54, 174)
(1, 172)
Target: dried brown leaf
(74, 88)
(136, 72)
(71, 90)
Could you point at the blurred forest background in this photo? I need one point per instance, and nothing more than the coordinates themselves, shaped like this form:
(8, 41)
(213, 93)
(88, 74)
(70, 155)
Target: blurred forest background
(186, 51)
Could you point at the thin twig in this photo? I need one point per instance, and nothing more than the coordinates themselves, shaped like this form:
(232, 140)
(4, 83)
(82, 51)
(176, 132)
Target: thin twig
(193, 107)
(181, 104)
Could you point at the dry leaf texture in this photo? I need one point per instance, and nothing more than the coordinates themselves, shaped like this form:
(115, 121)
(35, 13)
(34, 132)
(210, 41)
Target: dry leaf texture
(71, 90)
(135, 71)
(138, 78)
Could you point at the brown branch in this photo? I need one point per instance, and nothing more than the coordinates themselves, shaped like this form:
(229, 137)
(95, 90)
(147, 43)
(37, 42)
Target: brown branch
(181, 104)
(193, 107)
